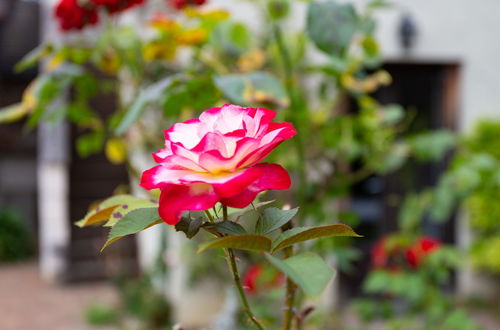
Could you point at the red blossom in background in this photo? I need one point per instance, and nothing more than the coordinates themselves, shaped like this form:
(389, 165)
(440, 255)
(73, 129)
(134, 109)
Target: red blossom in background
(115, 6)
(215, 158)
(250, 278)
(253, 281)
(422, 248)
(74, 16)
(394, 256)
(181, 4)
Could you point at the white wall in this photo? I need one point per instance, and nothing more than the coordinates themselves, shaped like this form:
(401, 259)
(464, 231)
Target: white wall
(455, 30)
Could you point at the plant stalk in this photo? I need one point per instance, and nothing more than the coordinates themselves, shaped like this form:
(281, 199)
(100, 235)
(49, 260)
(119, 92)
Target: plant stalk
(291, 288)
(233, 267)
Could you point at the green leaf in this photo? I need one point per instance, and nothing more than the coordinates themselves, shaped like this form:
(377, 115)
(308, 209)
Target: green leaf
(33, 57)
(110, 206)
(123, 209)
(332, 26)
(431, 146)
(301, 234)
(13, 113)
(273, 218)
(195, 93)
(226, 227)
(189, 226)
(307, 270)
(236, 214)
(90, 143)
(153, 93)
(132, 223)
(252, 242)
(253, 88)
(233, 38)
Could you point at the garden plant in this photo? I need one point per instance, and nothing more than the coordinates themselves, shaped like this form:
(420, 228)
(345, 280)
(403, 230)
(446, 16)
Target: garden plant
(207, 80)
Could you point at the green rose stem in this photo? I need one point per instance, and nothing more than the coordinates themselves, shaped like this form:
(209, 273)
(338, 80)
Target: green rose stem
(291, 288)
(231, 261)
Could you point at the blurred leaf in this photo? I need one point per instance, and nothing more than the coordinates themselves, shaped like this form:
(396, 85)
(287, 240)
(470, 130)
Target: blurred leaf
(226, 227)
(116, 150)
(90, 143)
(189, 226)
(132, 223)
(33, 57)
(307, 270)
(13, 113)
(196, 93)
(233, 38)
(431, 146)
(332, 26)
(302, 234)
(273, 218)
(152, 94)
(253, 88)
(243, 242)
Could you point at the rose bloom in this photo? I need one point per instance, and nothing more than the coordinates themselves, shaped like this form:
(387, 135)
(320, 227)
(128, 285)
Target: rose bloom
(215, 158)
(73, 16)
(421, 249)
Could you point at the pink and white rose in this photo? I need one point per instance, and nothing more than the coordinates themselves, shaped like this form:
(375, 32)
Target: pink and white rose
(215, 158)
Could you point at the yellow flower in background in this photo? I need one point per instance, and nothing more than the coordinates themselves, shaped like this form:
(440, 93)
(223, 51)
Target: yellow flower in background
(192, 37)
(159, 50)
(368, 85)
(109, 63)
(163, 23)
(251, 61)
(116, 150)
(55, 62)
(213, 15)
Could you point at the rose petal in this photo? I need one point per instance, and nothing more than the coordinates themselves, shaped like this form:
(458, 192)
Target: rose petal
(161, 176)
(188, 133)
(176, 199)
(274, 177)
(268, 143)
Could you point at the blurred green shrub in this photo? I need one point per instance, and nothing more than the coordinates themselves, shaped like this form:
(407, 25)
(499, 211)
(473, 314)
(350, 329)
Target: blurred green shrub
(139, 301)
(15, 238)
(98, 314)
(482, 205)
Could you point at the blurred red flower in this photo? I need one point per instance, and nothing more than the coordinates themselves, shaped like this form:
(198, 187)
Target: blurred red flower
(74, 16)
(258, 277)
(115, 6)
(420, 249)
(394, 255)
(181, 4)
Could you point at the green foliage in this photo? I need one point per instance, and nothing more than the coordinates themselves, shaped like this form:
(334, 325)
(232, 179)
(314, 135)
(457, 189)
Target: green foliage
(133, 222)
(251, 242)
(431, 146)
(302, 234)
(252, 89)
(332, 26)
(98, 314)
(307, 270)
(148, 96)
(273, 218)
(232, 38)
(189, 226)
(15, 238)
(485, 253)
